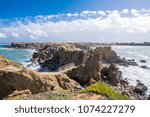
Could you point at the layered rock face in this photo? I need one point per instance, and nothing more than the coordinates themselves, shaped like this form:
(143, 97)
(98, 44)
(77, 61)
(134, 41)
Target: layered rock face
(90, 71)
(13, 78)
(108, 54)
(56, 56)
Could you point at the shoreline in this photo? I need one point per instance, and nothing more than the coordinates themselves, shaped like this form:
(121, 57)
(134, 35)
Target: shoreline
(68, 48)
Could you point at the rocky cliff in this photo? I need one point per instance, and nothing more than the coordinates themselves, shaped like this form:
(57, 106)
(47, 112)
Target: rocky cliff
(17, 78)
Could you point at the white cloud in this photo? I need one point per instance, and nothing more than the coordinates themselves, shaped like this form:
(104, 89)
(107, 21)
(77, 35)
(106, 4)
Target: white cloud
(15, 35)
(104, 26)
(88, 13)
(101, 13)
(135, 12)
(2, 35)
(125, 11)
(69, 14)
(37, 33)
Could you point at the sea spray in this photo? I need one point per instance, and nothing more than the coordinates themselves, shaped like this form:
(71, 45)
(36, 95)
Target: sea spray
(134, 73)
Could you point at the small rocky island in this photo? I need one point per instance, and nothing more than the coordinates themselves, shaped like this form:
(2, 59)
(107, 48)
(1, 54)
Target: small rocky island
(68, 71)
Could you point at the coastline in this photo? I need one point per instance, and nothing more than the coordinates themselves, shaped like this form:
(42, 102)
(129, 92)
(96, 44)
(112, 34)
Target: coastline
(66, 51)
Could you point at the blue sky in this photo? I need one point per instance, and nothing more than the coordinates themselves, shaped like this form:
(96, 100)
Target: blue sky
(75, 20)
(23, 8)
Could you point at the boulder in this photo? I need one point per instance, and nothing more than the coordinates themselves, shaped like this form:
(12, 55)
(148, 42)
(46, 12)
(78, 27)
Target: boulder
(140, 88)
(143, 61)
(144, 67)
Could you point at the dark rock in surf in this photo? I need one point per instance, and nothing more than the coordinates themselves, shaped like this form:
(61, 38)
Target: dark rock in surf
(140, 88)
(144, 67)
(143, 61)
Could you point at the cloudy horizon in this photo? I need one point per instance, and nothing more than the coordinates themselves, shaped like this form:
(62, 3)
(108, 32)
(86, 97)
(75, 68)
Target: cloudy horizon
(126, 25)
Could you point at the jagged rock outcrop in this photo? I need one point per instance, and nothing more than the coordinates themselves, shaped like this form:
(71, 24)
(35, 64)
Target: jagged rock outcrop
(112, 74)
(13, 78)
(108, 54)
(90, 71)
(54, 57)
(141, 88)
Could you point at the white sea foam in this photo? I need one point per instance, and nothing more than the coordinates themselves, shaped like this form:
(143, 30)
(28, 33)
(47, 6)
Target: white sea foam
(134, 73)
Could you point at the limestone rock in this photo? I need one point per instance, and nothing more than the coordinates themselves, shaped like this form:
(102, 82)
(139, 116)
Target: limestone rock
(108, 54)
(34, 81)
(12, 78)
(90, 71)
(16, 95)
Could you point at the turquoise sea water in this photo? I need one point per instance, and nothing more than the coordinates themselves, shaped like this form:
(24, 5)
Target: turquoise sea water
(20, 55)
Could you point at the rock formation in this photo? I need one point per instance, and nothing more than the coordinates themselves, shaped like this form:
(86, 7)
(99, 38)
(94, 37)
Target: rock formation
(54, 57)
(108, 54)
(17, 78)
(112, 74)
(140, 88)
(90, 71)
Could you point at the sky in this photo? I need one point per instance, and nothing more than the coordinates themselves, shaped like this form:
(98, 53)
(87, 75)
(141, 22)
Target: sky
(75, 20)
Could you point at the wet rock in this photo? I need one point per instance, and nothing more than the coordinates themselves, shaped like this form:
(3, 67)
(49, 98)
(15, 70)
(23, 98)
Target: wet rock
(132, 63)
(138, 81)
(144, 67)
(140, 88)
(143, 61)
(126, 63)
(130, 60)
(35, 55)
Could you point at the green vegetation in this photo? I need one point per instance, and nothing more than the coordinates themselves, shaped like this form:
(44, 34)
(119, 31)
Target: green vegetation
(105, 89)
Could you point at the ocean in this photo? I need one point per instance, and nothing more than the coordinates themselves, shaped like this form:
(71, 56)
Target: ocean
(134, 73)
(20, 55)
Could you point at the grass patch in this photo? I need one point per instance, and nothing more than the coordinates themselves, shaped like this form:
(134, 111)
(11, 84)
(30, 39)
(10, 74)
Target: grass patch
(105, 89)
